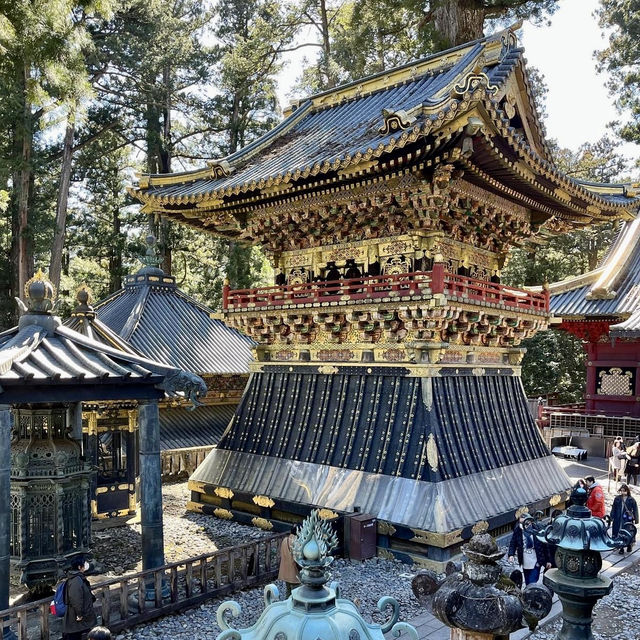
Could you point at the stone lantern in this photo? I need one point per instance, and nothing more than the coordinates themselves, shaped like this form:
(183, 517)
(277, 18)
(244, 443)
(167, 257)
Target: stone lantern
(476, 600)
(580, 538)
(314, 610)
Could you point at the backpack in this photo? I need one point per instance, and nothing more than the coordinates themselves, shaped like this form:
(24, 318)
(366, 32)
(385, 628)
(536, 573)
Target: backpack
(58, 607)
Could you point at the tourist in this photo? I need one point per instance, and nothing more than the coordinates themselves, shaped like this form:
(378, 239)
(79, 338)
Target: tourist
(528, 549)
(618, 459)
(99, 633)
(623, 510)
(632, 469)
(288, 568)
(595, 498)
(80, 616)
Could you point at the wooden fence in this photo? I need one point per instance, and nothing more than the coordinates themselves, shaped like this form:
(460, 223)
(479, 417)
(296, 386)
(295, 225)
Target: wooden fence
(129, 600)
(178, 463)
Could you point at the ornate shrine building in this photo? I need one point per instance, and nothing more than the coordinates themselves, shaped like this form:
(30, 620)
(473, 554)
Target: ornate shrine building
(602, 308)
(388, 351)
(152, 317)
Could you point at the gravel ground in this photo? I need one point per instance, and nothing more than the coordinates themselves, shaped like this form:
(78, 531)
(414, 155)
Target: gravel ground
(362, 583)
(615, 617)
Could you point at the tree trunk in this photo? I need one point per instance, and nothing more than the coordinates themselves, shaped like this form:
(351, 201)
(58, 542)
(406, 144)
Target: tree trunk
(326, 46)
(115, 255)
(57, 247)
(21, 249)
(458, 21)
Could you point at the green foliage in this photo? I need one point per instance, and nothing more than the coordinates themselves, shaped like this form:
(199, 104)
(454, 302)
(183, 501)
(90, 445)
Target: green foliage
(554, 365)
(573, 253)
(621, 20)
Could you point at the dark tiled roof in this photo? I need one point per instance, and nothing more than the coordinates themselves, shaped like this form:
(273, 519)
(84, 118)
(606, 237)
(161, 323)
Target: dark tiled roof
(331, 132)
(41, 355)
(180, 429)
(161, 321)
(613, 290)
(314, 136)
(437, 454)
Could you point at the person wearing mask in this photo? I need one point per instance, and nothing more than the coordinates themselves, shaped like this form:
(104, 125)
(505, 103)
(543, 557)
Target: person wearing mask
(528, 550)
(623, 510)
(80, 616)
(595, 498)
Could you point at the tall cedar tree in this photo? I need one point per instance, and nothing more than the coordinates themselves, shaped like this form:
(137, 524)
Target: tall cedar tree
(621, 19)
(42, 71)
(359, 37)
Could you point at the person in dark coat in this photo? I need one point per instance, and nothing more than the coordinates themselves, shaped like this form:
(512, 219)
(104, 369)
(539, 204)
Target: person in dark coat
(528, 549)
(624, 509)
(80, 616)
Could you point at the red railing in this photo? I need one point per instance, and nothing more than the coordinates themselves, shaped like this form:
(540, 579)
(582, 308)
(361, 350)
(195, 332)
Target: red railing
(365, 287)
(491, 292)
(376, 287)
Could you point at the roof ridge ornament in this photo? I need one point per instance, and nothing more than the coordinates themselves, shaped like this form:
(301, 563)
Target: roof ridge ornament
(475, 79)
(509, 38)
(40, 294)
(84, 296)
(396, 120)
(220, 168)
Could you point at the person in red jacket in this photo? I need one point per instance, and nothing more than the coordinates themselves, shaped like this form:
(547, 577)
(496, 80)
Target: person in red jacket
(595, 499)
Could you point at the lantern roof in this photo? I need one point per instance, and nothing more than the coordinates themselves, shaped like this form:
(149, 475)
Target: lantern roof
(41, 360)
(471, 106)
(313, 610)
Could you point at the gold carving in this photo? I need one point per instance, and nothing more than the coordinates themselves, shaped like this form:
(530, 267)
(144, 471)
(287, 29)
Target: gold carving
(263, 501)
(261, 523)
(223, 492)
(561, 194)
(555, 499)
(225, 514)
(327, 369)
(521, 511)
(195, 485)
(327, 514)
(480, 527)
(385, 528)
(432, 452)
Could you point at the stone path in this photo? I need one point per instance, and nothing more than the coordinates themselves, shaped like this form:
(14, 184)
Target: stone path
(430, 628)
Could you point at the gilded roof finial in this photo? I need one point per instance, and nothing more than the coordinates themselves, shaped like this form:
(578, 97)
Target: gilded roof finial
(84, 298)
(39, 293)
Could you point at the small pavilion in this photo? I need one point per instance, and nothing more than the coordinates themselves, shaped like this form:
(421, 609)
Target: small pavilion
(46, 371)
(152, 317)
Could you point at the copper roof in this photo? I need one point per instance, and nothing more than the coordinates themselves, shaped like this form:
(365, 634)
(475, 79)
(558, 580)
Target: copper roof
(415, 113)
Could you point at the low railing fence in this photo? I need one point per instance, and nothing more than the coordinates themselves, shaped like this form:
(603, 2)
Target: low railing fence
(595, 424)
(133, 599)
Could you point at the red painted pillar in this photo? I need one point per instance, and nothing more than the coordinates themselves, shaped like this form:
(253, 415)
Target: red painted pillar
(437, 277)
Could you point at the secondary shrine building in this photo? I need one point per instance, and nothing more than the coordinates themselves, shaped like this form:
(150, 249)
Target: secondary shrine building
(387, 377)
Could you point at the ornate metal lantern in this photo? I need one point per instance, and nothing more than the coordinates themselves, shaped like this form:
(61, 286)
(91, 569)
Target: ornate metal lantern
(49, 495)
(477, 600)
(313, 610)
(580, 538)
